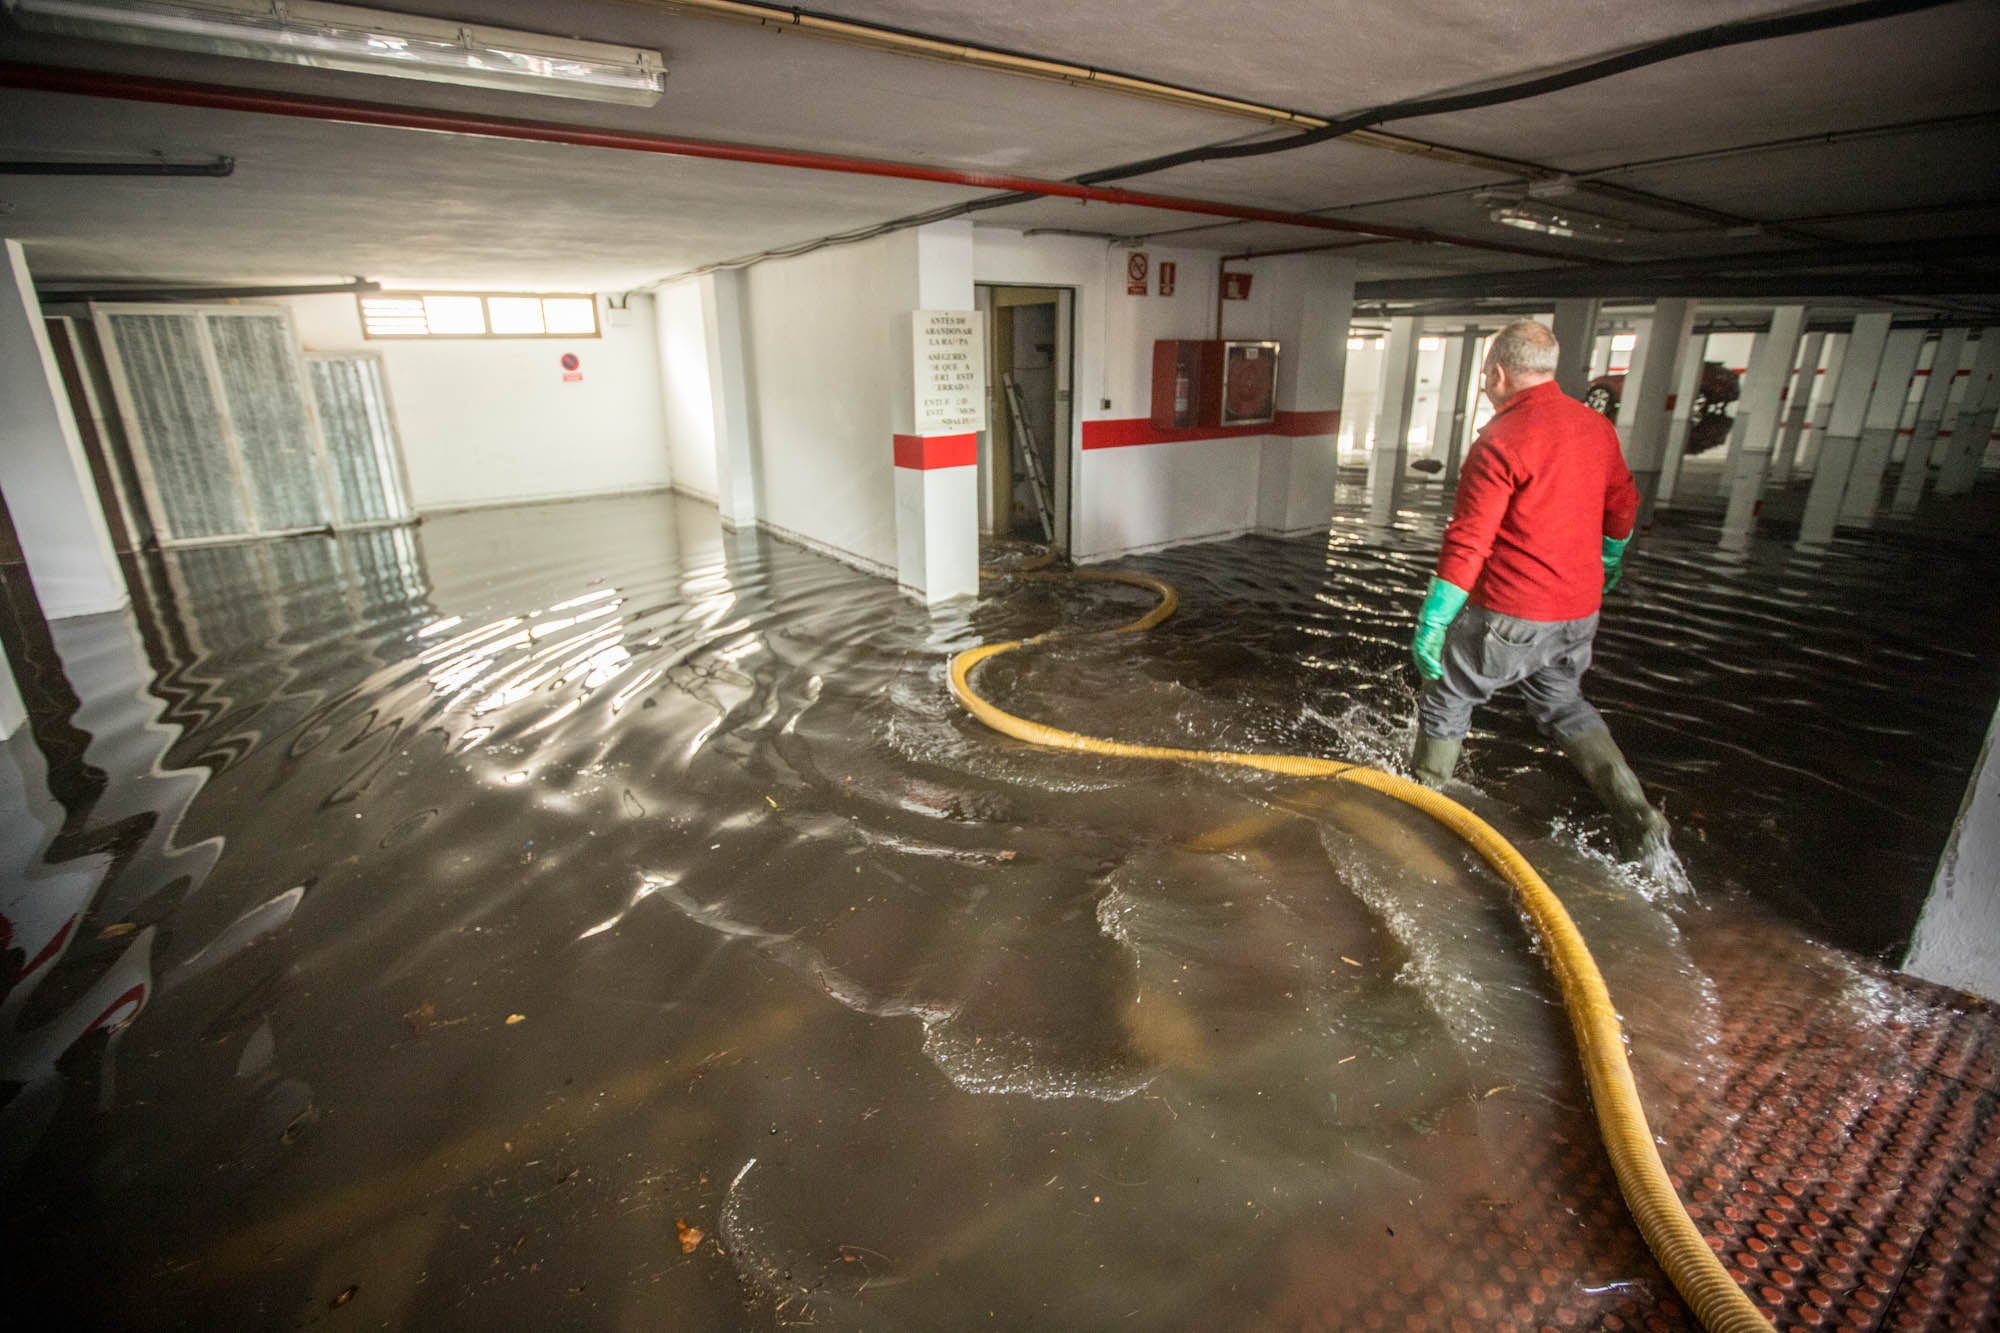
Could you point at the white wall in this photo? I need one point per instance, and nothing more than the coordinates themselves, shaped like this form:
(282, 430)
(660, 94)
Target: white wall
(685, 397)
(824, 379)
(490, 421)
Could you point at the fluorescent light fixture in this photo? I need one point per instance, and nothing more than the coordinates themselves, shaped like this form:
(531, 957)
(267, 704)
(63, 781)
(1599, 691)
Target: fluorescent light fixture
(362, 41)
(1550, 222)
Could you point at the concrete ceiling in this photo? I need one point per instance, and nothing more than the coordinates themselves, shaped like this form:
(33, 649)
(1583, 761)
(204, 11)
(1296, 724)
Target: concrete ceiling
(313, 200)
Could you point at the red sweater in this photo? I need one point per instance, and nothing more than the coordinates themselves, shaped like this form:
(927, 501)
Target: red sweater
(1543, 484)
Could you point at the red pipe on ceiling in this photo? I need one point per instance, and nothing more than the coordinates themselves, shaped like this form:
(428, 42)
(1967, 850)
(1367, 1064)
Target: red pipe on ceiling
(134, 88)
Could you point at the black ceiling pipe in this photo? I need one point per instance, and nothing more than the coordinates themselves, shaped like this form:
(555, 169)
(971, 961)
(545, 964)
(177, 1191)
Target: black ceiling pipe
(221, 166)
(60, 291)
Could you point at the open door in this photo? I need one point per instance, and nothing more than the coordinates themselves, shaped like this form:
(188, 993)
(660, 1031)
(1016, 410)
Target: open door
(1025, 453)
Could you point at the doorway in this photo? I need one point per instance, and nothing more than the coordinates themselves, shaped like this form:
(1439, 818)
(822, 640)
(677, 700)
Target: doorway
(1025, 451)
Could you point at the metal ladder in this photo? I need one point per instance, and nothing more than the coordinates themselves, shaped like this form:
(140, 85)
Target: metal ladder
(1024, 436)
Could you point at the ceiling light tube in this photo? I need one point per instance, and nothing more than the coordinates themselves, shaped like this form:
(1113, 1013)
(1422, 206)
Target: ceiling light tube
(363, 41)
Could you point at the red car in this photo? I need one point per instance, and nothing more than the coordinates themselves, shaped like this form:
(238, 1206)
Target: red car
(1720, 386)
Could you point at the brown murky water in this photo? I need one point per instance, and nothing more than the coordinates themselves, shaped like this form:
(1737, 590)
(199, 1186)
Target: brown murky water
(578, 916)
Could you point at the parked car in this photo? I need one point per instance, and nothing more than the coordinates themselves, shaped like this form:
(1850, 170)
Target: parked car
(1720, 386)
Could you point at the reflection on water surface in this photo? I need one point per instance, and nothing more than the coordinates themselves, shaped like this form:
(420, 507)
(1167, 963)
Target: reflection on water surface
(444, 926)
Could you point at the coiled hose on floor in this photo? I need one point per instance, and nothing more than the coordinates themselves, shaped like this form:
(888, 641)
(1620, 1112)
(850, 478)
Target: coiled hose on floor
(1699, 1276)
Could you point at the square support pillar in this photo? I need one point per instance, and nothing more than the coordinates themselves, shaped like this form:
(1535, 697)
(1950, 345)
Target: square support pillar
(1458, 425)
(1797, 407)
(1391, 458)
(1681, 417)
(729, 393)
(1842, 436)
(1575, 328)
(1974, 423)
(43, 473)
(1757, 423)
(936, 473)
(1946, 358)
(1878, 427)
(1644, 410)
(1957, 940)
(1298, 468)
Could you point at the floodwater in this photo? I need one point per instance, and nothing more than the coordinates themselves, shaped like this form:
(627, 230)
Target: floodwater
(578, 916)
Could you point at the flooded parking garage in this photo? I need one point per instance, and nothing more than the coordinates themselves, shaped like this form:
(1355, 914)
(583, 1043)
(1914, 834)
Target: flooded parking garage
(584, 914)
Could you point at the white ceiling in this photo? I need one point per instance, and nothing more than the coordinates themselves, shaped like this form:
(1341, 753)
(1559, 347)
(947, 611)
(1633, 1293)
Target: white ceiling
(319, 201)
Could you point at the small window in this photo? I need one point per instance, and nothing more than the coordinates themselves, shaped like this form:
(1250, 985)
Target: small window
(478, 315)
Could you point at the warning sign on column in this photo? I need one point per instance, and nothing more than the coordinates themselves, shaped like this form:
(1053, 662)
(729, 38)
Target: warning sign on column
(950, 350)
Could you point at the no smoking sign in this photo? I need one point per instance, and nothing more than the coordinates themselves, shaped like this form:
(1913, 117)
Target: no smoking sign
(1137, 270)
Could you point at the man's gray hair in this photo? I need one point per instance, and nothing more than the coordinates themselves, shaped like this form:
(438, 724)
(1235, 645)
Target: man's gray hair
(1524, 348)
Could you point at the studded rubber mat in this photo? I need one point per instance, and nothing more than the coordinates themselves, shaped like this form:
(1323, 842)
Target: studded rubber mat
(1839, 1146)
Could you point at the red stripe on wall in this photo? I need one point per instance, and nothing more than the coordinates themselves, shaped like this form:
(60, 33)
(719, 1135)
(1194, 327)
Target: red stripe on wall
(1125, 431)
(924, 452)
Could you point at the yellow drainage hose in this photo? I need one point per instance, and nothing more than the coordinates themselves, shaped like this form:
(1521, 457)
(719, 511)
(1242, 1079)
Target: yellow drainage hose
(1703, 1282)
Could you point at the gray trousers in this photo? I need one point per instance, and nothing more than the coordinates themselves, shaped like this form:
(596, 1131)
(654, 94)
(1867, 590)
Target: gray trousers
(1485, 652)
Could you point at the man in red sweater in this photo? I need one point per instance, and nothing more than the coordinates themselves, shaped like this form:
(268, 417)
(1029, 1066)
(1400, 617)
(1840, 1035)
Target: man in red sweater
(1545, 507)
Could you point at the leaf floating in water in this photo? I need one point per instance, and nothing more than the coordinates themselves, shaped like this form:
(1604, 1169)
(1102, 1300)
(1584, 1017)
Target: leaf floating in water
(512, 1019)
(1008, 855)
(690, 1236)
(1349, 961)
(343, 1298)
(117, 928)
(774, 804)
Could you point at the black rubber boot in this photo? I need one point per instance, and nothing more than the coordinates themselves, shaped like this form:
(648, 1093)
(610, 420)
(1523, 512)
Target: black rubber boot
(1641, 830)
(1433, 760)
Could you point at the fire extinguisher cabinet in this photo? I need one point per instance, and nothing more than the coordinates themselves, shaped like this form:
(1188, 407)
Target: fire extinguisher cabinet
(1211, 382)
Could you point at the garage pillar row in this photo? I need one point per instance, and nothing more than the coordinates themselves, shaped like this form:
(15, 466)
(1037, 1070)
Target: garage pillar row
(1645, 407)
(1798, 407)
(1758, 411)
(1973, 426)
(1841, 440)
(1945, 361)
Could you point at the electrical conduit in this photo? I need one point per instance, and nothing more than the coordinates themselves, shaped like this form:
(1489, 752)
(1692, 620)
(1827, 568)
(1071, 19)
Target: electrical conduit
(1699, 1276)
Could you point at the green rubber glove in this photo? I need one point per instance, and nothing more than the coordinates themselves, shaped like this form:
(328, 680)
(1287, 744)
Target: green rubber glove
(1441, 606)
(1614, 558)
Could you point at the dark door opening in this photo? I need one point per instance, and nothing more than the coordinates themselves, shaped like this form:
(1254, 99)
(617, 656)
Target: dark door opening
(1024, 457)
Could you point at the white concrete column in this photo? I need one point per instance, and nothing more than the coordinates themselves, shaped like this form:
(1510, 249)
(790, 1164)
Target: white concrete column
(1756, 433)
(1450, 401)
(1797, 406)
(736, 489)
(1600, 357)
(937, 475)
(1946, 358)
(1878, 428)
(1298, 466)
(1644, 409)
(1391, 458)
(1824, 385)
(1957, 941)
(43, 472)
(1471, 361)
(1687, 385)
(1842, 434)
(1575, 328)
(1974, 423)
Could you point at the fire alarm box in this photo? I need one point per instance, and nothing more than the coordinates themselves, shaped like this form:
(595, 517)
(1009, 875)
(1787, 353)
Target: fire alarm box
(1213, 382)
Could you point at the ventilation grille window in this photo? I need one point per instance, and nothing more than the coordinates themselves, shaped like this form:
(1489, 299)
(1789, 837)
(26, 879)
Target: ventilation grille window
(479, 315)
(219, 409)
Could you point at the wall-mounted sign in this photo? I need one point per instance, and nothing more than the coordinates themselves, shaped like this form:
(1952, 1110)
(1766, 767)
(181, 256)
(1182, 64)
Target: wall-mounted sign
(572, 365)
(1235, 286)
(1167, 269)
(1135, 273)
(950, 351)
